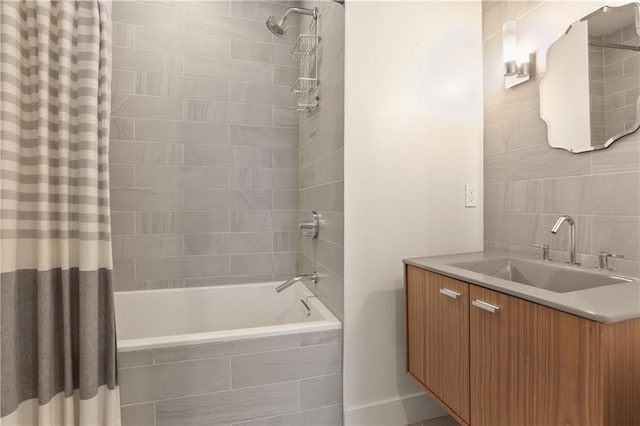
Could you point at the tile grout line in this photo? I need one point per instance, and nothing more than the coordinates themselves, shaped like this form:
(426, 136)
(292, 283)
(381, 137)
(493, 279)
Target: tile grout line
(213, 393)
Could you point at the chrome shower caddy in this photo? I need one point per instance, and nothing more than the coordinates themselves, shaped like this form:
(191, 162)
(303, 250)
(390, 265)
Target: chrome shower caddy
(305, 51)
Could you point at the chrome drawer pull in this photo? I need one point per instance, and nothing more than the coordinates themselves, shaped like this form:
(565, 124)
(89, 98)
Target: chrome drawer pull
(452, 294)
(486, 306)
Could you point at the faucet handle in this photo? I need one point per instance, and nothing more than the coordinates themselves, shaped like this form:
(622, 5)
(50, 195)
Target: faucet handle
(310, 228)
(603, 259)
(545, 250)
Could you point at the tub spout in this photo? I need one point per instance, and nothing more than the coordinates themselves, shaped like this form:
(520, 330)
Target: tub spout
(307, 277)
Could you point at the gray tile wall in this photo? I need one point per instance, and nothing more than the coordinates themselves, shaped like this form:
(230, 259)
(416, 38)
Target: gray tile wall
(204, 144)
(596, 89)
(621, 82)
(321, 178)
(615, 83)
(528, 184)
(281, 380)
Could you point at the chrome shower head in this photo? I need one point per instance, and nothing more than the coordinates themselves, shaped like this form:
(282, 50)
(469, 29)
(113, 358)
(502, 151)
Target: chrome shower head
(277, 26)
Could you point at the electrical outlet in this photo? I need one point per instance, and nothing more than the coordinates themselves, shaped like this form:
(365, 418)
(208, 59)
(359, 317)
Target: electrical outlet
(471, 195)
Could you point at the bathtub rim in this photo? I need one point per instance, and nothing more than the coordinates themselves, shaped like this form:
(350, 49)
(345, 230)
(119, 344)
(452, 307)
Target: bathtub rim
(330, 322)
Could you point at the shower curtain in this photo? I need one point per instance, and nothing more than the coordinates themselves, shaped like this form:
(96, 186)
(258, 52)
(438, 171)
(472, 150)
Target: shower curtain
(57, 328)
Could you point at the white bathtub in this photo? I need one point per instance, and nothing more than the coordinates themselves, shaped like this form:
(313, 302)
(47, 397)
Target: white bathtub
(150, 319)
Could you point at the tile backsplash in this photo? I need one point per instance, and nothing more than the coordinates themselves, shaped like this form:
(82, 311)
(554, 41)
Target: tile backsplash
(528, 184)
(204, 144)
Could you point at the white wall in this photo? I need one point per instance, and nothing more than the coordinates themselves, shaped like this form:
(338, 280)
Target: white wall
(413, 138)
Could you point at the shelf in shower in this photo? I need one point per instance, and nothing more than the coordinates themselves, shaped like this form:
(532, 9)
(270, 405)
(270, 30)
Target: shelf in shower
(305, 51)
(305, 85)
(305, 46)
(308, 107)
(304, 93)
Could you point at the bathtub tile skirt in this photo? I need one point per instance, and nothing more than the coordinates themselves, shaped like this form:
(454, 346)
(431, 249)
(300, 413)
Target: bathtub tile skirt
(225, 407)
(320, 391)
(285, 380)
(236, 347)
(280, 366)
(139, 415)
(325, 416)
(173, 380)
(58, 351)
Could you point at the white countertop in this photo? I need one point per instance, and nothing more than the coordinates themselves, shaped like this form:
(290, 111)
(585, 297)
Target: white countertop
(607, 304)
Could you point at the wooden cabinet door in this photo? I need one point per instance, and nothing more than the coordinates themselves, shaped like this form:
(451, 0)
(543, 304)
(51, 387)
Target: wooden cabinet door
(437, 311)
(532, 365)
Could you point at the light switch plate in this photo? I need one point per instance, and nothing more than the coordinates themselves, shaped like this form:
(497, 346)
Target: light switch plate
(471, 195)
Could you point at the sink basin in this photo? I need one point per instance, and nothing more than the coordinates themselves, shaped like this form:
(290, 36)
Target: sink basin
(549, 276)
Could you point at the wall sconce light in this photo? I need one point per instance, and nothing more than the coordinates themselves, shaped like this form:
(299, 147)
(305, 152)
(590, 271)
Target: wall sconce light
(516, 66)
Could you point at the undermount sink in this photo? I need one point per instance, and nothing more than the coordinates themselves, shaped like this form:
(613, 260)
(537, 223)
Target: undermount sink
(549, 276)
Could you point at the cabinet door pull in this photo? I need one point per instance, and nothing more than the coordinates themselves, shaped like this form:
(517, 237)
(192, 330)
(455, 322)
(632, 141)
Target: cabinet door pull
(452, 294)
(486, 306)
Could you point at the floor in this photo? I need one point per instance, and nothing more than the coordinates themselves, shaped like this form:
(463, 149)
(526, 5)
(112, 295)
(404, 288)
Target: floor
(440, 421)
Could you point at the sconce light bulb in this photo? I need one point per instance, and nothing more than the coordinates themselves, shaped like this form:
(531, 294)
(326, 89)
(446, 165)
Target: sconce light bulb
(524, 70)
(509, 47)
(523, 56)
(516, 61)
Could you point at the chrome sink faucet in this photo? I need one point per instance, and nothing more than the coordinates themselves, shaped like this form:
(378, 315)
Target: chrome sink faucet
(572, 236)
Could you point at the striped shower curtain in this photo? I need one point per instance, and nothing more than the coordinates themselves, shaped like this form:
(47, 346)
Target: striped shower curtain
(57, 341)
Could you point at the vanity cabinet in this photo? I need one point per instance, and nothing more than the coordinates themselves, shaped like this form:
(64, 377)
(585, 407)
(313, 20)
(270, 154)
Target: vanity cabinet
(519, 364)
(438, 337)
(531, 365)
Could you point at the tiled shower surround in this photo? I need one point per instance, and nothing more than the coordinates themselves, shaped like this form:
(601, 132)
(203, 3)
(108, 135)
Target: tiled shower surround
(322, 162)
(528, 184)
(281, 380)
(204, 144)
(206, 154)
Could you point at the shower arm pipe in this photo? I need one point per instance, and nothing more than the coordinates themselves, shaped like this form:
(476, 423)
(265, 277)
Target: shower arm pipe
(302, 11)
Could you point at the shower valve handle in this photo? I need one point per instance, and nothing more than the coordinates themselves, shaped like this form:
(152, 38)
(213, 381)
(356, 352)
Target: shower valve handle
(310, 228)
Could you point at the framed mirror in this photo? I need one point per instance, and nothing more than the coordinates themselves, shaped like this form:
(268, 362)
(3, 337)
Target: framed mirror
(590, 94)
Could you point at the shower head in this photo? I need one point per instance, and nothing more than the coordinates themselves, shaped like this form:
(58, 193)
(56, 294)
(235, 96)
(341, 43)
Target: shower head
(276, 25)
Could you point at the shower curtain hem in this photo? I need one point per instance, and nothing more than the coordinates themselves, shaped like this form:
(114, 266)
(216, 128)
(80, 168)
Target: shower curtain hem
(101, 410)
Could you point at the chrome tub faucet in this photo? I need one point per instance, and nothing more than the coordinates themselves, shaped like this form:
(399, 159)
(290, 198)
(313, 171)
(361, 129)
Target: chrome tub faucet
(305, 277)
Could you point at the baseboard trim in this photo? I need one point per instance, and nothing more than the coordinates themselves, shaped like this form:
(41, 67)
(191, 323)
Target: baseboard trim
(399, 411)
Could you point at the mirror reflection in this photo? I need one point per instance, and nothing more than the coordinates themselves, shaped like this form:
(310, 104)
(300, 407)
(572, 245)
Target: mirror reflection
(590, 95)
